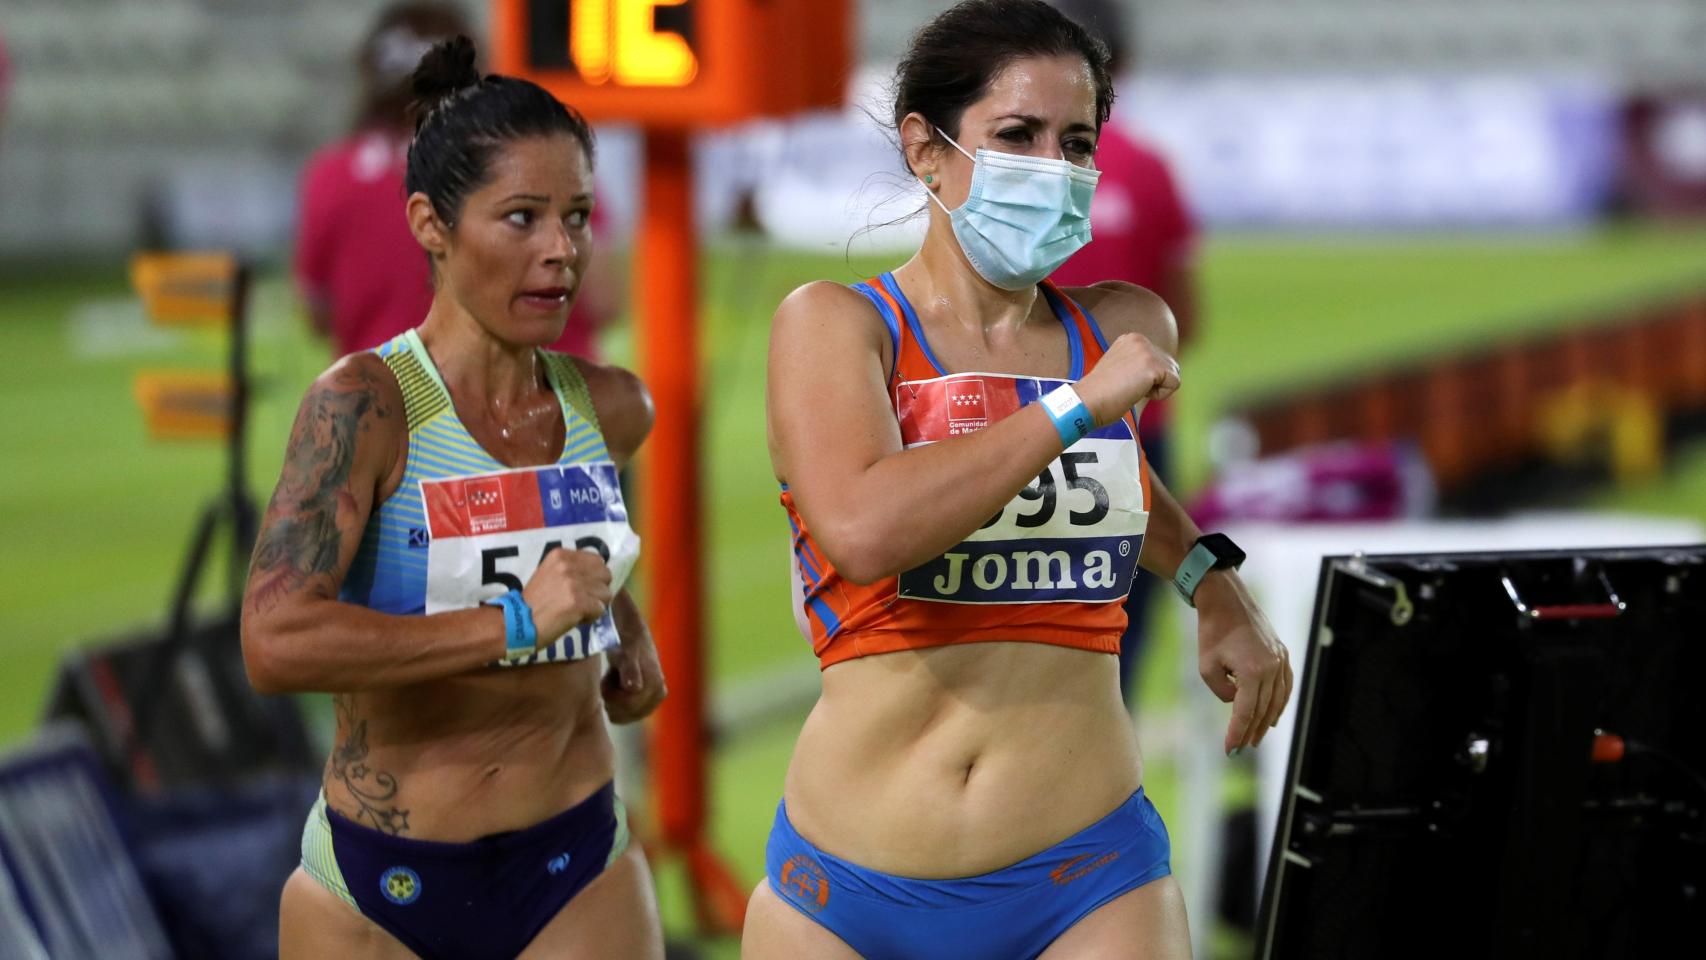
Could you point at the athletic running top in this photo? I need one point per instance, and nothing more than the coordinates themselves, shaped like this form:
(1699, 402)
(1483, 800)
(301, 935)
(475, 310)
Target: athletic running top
(463, 528)
(1054, 566)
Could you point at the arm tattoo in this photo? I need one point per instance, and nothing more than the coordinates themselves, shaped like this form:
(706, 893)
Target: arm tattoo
(300, 540)
(370, 789)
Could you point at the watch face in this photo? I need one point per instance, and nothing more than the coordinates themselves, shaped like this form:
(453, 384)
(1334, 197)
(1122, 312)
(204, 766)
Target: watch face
(1226, 553)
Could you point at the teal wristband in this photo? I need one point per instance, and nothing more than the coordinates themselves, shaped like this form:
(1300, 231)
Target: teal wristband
(520, 635)
(1071, 417)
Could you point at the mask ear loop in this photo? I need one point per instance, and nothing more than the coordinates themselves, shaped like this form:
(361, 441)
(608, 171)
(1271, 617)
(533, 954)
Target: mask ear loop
(956, 144)
(931, 193)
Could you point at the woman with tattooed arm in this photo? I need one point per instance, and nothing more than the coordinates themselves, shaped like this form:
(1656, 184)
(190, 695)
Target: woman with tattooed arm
(445, 554)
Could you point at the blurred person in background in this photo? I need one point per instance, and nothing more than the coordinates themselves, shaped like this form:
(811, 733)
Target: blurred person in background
(357, 265)
(969, 783)
(445, 554)
(1143, 234)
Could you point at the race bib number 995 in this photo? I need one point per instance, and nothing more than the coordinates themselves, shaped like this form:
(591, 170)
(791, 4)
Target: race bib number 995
(489, 532)
(1072, 535)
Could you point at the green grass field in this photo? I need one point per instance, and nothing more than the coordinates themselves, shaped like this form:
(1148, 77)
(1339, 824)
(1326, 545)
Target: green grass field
(96, 517)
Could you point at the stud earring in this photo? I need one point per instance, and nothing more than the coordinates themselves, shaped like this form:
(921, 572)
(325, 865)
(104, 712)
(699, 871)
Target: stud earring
(929, 179)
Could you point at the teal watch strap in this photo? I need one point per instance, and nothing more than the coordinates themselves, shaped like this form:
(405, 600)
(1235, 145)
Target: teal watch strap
(1195, 566)
(1213, 551)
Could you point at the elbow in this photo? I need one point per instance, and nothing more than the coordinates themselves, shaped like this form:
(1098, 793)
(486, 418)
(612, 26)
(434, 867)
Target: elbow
(861, 553)
(262, 660)
(864, 571)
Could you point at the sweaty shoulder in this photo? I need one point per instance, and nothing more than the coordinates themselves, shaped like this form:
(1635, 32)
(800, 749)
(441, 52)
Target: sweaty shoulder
(358, 398)
(623, 405)
(831, 316)
(1120, 308)
(363, 375)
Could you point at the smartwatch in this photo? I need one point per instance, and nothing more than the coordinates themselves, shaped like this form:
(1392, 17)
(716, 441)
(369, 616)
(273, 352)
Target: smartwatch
(1212, 551)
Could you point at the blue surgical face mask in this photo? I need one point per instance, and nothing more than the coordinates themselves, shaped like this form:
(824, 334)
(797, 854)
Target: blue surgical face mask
(1024, 216)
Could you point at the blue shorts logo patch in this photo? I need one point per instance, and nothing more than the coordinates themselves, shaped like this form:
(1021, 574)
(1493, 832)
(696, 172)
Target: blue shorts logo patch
(805, 883)
(400, 885)
(418, 537)
(558, 864)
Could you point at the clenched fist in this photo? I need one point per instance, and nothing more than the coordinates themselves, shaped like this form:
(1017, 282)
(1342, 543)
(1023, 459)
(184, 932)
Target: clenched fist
(1133, 369)
(571, 587)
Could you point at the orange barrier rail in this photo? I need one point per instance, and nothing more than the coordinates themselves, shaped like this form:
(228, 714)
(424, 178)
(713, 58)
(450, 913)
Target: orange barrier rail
(1602, 389)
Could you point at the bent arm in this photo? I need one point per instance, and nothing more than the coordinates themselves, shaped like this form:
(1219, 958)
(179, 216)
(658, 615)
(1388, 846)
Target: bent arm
(634, 684)
(875, 508)
(296, 634)
(1239, 657)
(1169, 537)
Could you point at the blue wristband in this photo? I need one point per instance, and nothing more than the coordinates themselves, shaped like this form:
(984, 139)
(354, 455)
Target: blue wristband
(1071, 417)
(520, 635)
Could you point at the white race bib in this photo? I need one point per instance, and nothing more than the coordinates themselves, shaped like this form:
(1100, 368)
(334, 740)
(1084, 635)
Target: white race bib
(1072, 535)
(488, 533)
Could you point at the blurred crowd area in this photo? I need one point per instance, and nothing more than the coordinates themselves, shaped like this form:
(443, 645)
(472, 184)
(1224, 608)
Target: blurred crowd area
(187, 122)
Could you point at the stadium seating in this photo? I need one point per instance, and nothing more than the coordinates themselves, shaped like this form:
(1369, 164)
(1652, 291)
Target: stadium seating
(110, 100)
(224, 80)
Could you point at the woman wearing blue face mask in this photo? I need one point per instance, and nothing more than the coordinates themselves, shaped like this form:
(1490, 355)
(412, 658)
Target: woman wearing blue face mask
(956, 443)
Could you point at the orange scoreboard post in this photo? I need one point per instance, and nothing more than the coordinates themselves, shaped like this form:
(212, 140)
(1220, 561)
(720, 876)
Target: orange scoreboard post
(672, 67)
(678, 64)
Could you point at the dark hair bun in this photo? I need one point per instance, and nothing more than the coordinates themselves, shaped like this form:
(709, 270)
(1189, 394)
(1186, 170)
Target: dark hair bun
(445, 70)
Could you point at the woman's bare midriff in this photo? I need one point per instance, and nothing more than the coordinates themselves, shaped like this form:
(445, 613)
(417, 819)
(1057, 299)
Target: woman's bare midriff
(956, 761)
(457, 759)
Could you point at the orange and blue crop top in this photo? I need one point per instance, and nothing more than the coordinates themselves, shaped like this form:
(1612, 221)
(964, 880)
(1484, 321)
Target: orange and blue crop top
(1053, 567)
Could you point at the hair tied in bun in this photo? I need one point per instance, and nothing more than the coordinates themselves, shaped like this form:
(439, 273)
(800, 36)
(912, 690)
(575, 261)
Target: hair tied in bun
(446, 69)
(465, 121)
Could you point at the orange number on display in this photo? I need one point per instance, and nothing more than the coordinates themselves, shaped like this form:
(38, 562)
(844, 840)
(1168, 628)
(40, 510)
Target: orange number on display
(616, 40)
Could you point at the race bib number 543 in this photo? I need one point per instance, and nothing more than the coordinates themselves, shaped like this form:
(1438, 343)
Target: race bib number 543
(1073, 534)
(489, 532)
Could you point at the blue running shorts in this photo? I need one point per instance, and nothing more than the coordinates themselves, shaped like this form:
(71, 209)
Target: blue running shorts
(1011, 914)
